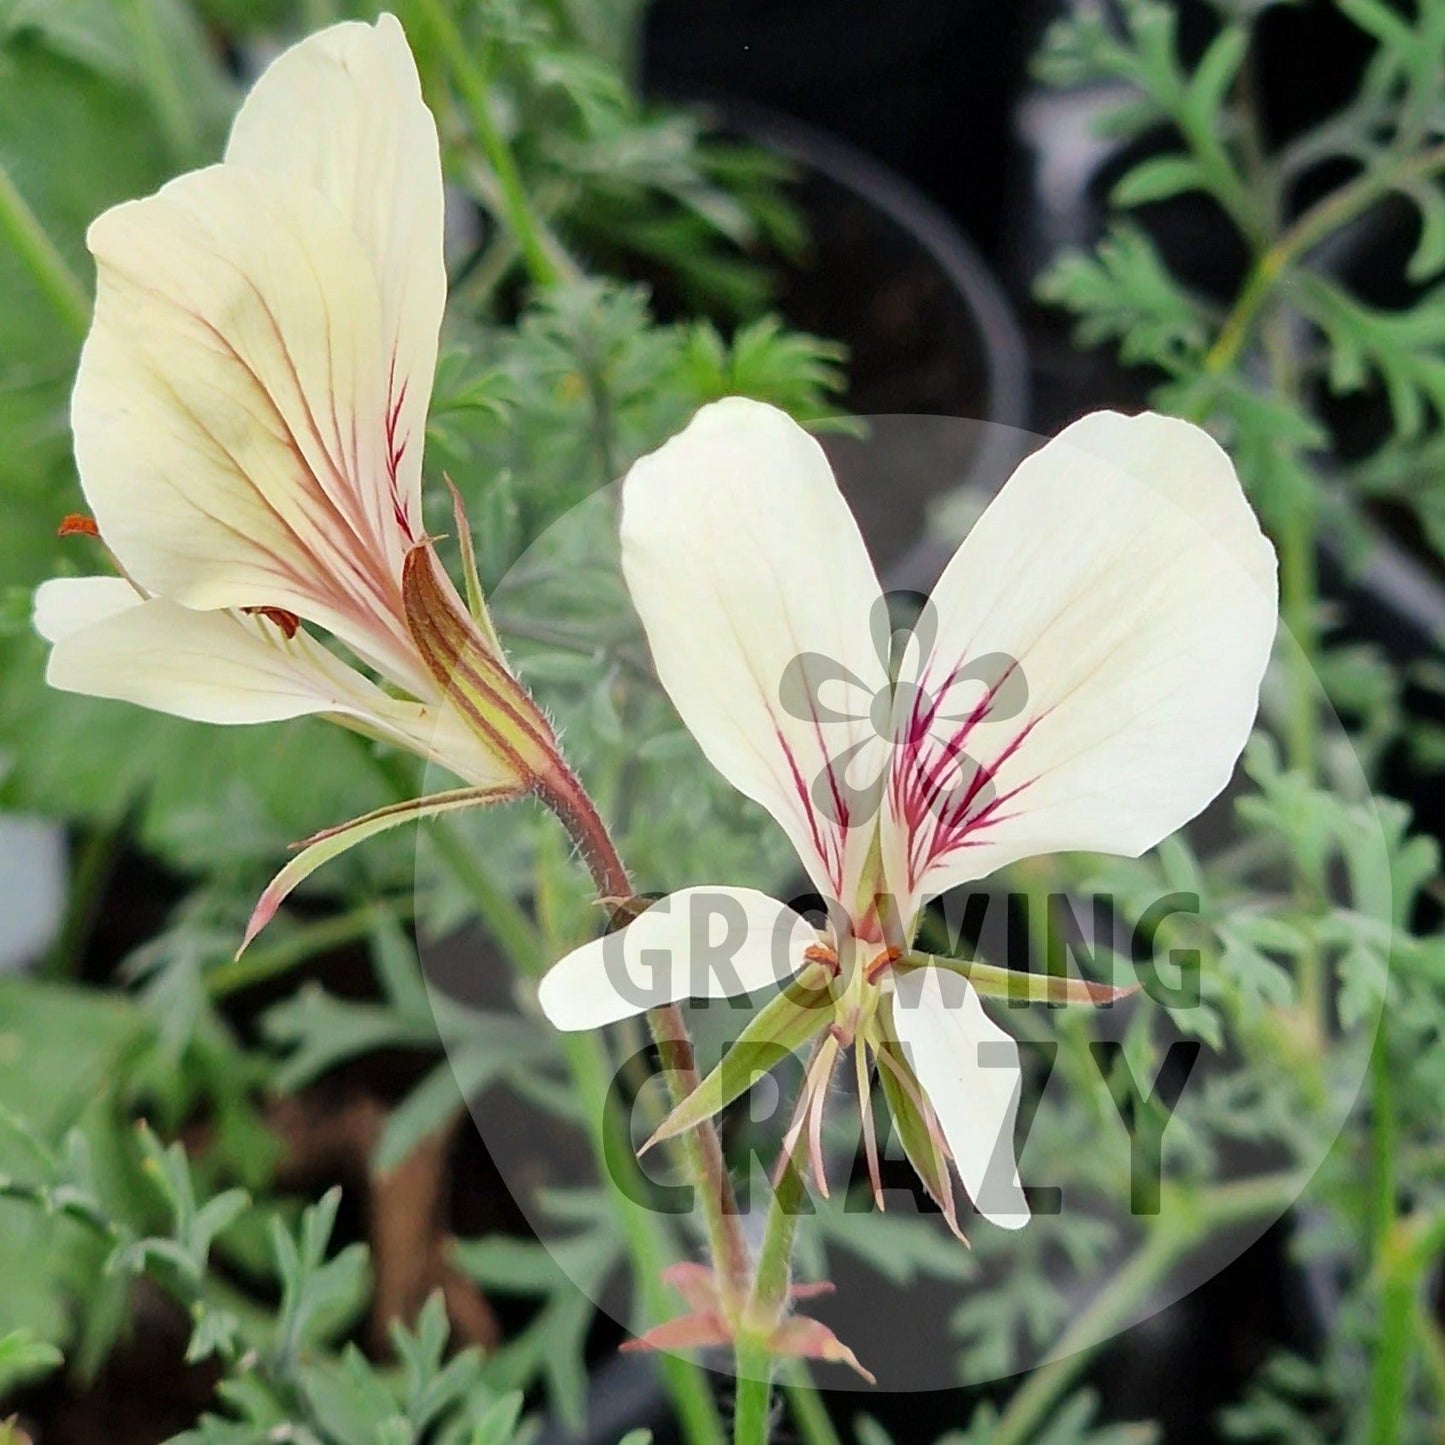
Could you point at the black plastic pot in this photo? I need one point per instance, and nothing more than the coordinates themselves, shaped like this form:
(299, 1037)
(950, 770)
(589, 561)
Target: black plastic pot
(922, 86)
(928, 330)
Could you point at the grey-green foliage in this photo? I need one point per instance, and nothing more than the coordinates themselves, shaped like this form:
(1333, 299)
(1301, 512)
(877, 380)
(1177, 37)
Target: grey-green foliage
(276, 1371)
(1294, 310)
(1074, 1422)
(1259, 367)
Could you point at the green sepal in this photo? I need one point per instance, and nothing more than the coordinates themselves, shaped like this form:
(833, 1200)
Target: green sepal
(803, 1009)
(928, 1160)
(1014, 984)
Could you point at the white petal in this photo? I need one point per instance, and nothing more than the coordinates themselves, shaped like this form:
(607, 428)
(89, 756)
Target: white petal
(756, 592)
(230, 408)
(72, 604)
(1122, 587)
(695, 943)
(343, 113)
(969, 1069)
(218, 667)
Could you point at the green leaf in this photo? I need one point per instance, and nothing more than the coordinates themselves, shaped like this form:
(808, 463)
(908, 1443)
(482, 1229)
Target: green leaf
(24, 1358)
(1404, 349)
(1157, 180)
(499, 1424)
(1019, 985)
(1124, 292)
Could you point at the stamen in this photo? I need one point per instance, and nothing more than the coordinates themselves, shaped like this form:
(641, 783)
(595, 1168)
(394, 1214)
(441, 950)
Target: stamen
(288, 622)
(821, 953)
(882, 964)
(77, 524)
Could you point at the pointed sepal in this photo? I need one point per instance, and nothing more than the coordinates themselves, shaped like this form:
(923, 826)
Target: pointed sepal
(322, 847)
(1014, 984)
(467, 664)
(801, 1011)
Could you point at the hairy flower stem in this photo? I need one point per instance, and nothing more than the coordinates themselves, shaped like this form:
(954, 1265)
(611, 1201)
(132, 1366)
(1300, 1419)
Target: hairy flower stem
(567, 798)
(648, 1249)
(753, 1407)
(767, 1302)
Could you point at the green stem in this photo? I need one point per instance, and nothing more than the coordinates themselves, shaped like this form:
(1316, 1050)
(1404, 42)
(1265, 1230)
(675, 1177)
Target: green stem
(806, 1404)
(50, 1201)
(774, 1271)
(472, 85)
(1405, 1254)
(753, 1408)
(507, 921)
(168, 99)
(1173, 1233)
(1390, 1247)
(38, 253)
(766, 1304)
(648, 1248)
(1319, 221)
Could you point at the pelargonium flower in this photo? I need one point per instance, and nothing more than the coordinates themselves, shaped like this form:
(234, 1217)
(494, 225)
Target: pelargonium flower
(1086, 679)
(249, 416)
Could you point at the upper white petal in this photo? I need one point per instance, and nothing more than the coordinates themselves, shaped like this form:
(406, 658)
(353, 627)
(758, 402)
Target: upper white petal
(230, 408)
(342, 112)
(1122, 585)
(695, 943)
(756, 592)
(969, 1070)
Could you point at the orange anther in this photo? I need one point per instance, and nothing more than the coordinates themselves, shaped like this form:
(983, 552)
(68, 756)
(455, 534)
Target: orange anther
(821, 953)
(882, 964)
(288, 622)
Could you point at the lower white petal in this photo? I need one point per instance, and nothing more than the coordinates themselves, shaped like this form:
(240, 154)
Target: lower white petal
(969, 1069)
(695, 943)
(222, 667)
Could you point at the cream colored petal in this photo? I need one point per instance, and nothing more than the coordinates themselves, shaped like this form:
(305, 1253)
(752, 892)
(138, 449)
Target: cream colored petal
(219, 667)
(343, 112)
(756, 592)
(210, 667)
(68, 605)
(696, 943)
(1101, 638)
(230, 408)
(968, 1068)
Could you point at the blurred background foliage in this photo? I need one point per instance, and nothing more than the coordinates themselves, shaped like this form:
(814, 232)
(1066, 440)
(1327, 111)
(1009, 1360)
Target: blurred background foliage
(614, 264)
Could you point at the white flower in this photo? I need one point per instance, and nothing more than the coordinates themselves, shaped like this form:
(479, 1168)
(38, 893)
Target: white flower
(1084, 677)
(249, 416)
